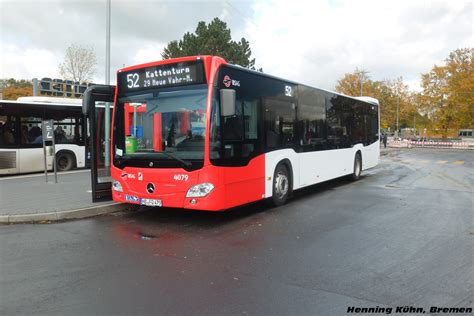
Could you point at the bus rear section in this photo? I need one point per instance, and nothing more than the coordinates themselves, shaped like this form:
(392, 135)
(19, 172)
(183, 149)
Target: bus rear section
(21, 142)
(200, 134)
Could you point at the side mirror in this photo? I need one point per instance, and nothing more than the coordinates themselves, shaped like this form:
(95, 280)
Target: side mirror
(227, 102)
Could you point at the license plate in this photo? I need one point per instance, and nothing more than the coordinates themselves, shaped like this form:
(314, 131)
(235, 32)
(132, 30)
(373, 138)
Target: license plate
(151, 202)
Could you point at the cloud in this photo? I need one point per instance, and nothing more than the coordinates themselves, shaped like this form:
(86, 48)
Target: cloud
(148, 53)
(314, 42)
(27, 63)
(139, 28)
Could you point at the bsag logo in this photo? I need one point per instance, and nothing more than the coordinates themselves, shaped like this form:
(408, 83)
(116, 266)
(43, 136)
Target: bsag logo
(228, 82)
(131, 198)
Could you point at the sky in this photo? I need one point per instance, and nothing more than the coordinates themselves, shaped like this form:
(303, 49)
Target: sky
(312, 42)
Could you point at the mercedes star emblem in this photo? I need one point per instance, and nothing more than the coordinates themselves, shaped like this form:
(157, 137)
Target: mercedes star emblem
(150, 188)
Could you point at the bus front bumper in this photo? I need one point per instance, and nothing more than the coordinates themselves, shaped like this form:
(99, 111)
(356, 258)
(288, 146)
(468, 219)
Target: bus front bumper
(211, 202)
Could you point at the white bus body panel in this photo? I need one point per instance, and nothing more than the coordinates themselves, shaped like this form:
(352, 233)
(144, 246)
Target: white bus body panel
(24, 160)
(9, 161)
(370, 155)
(319, 166)
(32, 160)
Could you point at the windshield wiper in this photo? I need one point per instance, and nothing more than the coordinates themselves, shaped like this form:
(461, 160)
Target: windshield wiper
(184, 162)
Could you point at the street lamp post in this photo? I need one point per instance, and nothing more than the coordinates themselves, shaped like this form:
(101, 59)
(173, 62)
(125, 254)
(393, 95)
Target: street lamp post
(398, 109)
(361, 73)
(107, 44)
(107, 82)
(414, 123)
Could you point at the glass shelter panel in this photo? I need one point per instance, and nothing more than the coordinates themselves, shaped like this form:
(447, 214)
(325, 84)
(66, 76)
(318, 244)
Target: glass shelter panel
(102, 142)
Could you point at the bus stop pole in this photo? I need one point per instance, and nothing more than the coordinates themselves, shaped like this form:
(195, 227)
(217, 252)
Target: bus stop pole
(48, 136)
(35, 87)
(55, 166)
(44, 155)
(134, 121)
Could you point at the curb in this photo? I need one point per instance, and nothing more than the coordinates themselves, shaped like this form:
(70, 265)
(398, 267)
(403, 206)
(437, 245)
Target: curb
(64, 215)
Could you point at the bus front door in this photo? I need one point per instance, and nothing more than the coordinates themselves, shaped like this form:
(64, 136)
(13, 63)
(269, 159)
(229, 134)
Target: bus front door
(97, 105)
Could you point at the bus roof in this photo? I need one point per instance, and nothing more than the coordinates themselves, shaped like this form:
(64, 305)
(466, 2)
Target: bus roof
(48, 101)
(366, 99)
(55, 100)
(207, 57)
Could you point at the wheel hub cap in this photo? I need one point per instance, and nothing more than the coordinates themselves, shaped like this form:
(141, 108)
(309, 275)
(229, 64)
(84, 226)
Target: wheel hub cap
(281, 184)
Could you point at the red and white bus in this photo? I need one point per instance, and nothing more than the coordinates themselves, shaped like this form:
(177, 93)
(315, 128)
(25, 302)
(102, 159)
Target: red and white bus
(199, 133)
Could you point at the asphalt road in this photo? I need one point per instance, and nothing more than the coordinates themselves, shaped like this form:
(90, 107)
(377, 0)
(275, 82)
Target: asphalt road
(401, 236)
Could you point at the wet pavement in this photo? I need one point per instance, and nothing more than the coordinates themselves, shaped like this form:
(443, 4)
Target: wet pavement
(402, 235)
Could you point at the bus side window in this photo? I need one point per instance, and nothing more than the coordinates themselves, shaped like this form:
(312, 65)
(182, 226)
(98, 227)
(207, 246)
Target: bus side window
(241, 130)
(31, 132)
(8, 135)
(311, 117)
(233, 127)
(333, 121)
(31, 122)
(251, 143)
(279, 123)
(233, 136)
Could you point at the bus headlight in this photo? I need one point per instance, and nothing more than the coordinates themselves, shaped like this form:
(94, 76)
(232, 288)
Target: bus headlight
(116, 186)
(200, 190)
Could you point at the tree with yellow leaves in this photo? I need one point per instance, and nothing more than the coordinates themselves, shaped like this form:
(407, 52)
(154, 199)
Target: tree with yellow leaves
(448, 92)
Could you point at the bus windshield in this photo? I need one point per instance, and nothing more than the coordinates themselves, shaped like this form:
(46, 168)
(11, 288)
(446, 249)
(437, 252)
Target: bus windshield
(162, 124)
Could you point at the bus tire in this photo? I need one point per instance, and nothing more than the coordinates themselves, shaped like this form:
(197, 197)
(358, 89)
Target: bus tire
(281, 185)
(357, 167)
(65, 161)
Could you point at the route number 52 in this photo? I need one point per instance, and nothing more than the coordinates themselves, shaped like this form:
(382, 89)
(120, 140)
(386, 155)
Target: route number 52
(132, 80)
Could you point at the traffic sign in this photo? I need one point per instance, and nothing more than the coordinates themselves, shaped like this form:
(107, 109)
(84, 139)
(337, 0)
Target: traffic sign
(48, 130)
(48, 141)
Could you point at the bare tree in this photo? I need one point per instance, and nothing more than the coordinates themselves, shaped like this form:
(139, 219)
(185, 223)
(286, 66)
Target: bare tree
(79, 63)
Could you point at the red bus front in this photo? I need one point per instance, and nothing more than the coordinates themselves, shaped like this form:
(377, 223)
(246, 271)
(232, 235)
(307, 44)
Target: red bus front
(161, 139)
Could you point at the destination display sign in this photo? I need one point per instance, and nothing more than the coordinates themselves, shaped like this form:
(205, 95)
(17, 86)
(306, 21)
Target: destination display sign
(162, 76)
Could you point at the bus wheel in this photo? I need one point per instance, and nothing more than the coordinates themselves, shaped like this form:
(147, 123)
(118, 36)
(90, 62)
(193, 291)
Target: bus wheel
(281, 185)
(64, 161)
(357, 168)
